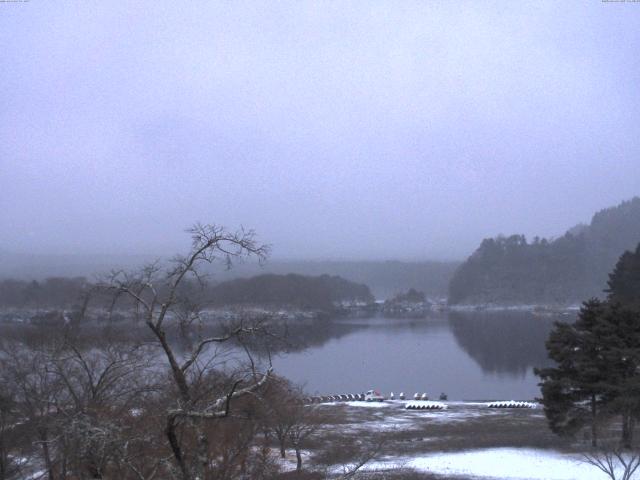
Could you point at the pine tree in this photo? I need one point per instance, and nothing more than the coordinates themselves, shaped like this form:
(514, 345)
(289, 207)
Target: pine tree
(573, 390)
(597, 372)
(618, 334)
(624, 281)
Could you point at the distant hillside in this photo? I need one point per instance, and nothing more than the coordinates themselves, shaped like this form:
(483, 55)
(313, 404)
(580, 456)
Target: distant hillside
(385, 278)
(305, 292)
(511, 270)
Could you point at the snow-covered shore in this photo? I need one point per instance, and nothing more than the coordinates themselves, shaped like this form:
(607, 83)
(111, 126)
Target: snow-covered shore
(467, 440)
(494, 463)
(540, 309)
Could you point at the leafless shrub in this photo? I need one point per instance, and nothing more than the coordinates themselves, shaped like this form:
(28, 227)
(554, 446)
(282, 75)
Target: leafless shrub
(615, 462)
(9, 449)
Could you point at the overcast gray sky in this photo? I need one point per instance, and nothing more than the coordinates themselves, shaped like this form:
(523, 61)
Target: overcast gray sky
(335, 129)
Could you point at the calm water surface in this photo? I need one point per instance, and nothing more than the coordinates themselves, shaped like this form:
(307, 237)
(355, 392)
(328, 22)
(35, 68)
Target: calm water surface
(470, 356)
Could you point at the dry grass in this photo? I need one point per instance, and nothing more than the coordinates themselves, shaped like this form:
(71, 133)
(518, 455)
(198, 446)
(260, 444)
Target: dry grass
(349, 430)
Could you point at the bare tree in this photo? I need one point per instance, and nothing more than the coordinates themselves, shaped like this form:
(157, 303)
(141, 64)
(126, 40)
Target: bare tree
(281, 411)
(37, 394)
(288, 418)
(9, 467)
(156, 294)
(101, 385)
(95, 401)
(617, 463)
(308, 421)
(71, 397)
(363, 453)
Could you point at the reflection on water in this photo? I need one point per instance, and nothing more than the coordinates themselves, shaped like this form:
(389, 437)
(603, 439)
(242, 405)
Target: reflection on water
(503, 343)
(470, 356)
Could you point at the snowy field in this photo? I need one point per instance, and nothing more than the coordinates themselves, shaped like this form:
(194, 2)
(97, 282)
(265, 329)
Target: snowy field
(499, 463)
(467, 440)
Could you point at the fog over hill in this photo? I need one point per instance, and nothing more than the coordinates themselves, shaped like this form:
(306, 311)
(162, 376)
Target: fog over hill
(384, 278)
(360, 131)
(568, 269)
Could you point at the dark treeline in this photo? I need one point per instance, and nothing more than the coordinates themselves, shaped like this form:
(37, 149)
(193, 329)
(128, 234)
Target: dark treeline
(384, 278)
(49, 293)
(410, 296)
(511, 270)
(322, 292)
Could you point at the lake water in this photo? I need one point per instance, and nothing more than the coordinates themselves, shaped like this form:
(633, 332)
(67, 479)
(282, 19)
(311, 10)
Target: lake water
(469, 356)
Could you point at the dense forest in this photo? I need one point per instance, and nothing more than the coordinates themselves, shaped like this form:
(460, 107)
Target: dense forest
(306, 292)
(511, 270)
(54, 292)
(384, 278)
(321, 292)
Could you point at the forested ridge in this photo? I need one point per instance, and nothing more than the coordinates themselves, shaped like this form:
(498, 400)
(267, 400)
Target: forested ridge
(384, 278)
(512, 270)
(321, 292)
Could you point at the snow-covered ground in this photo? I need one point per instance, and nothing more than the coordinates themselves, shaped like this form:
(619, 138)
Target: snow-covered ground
(289, 463)
(499, 463)
(467, 440)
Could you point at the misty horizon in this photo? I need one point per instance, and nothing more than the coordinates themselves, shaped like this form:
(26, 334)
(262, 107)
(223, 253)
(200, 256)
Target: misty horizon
(142, 256)
(337, 132)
